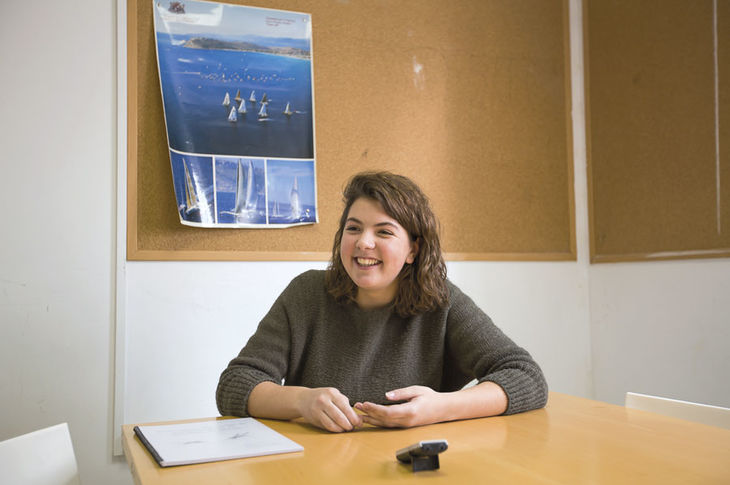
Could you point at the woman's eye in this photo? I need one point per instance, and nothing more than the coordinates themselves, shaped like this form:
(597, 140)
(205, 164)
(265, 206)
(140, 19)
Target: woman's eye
(351, 228)
(386, 233)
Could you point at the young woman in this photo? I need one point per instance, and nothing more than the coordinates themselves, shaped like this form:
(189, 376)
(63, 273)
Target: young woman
(382, 336)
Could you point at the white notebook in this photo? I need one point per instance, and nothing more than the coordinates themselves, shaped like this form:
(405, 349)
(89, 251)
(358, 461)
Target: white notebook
(204, 441)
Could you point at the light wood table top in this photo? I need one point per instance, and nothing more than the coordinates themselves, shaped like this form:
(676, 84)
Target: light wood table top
(572, 440)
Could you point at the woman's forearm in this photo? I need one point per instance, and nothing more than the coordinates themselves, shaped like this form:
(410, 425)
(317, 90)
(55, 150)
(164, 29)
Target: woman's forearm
(423, 405)
(325, 407)
(270, 400)
(481, 400)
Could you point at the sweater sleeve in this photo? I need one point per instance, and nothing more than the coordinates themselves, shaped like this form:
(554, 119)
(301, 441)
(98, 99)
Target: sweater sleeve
(264, 358)
(484, 352)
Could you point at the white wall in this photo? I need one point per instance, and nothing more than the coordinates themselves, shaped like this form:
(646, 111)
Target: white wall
(185, 321)
(57, 186)
(662, 328)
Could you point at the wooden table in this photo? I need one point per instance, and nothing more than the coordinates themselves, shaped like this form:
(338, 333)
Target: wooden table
(572, 440)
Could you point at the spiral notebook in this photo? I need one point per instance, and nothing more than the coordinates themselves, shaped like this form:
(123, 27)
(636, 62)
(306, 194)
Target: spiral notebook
(205, 441)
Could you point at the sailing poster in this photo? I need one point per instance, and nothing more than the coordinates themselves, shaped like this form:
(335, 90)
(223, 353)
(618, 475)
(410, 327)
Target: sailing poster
(238, 101)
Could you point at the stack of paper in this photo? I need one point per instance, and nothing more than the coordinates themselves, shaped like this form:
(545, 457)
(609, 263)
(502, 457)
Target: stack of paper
(222, 439)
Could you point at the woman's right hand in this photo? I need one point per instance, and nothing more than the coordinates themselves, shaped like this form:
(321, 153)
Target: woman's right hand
(328, 408)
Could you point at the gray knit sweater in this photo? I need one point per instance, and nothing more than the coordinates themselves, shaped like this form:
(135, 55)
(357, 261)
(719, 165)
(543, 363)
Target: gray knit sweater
(309, 339)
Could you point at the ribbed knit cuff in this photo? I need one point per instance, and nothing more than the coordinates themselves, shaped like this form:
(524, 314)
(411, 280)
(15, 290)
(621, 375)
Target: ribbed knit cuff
(523, 392)
(235, 388)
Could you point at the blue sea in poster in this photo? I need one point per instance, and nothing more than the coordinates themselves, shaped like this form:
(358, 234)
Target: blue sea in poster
(195, 83)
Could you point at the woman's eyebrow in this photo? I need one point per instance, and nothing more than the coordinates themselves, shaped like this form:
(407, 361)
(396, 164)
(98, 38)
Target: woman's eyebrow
(379, 224)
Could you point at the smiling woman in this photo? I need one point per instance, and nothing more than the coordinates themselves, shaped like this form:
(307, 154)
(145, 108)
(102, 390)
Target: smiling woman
(382, 331)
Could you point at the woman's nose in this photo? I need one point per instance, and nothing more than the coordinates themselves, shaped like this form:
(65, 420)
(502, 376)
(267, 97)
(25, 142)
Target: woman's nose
(365, 241)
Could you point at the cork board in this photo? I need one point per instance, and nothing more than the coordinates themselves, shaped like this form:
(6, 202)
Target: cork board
(658, 102)
(470, 99)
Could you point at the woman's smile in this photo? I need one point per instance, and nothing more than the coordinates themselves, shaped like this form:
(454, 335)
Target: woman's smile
(367, 262)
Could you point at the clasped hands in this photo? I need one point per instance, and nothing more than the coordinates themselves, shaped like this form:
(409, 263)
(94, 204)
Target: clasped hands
(328, 408)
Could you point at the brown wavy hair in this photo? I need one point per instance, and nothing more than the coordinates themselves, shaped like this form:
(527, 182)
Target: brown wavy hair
(422, 284)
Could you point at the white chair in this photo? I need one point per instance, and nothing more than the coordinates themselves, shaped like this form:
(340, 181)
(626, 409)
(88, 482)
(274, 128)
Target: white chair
(690, 411)
(43, 457)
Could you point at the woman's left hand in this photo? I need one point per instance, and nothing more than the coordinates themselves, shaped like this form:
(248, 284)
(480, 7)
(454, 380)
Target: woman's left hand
(422, 407)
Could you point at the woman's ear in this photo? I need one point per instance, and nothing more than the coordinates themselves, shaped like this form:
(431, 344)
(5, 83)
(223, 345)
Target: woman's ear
(415, 246)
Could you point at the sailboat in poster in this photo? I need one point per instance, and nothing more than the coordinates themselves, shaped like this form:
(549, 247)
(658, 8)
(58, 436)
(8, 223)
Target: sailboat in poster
(263, 114)
(296, 208)
(191, 198)
(246, 197)
(232, 116)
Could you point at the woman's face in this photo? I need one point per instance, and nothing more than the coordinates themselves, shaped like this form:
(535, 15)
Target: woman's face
(373, 250)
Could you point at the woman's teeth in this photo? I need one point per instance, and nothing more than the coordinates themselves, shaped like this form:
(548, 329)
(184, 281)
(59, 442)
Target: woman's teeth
(366, 261)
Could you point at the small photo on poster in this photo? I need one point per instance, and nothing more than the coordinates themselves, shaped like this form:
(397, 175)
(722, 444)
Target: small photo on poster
(240, 190)
(291, 191)
(193, 180)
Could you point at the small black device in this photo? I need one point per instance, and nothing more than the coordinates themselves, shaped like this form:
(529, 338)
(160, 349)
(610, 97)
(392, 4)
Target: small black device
(424, 455)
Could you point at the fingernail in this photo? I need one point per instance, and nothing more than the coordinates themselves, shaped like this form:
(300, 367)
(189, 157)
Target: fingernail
(389, 395)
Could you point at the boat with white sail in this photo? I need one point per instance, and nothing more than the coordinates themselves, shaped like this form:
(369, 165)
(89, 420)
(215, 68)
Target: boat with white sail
(296, 208)
(246, 198)
(191, 198)
(263, 114)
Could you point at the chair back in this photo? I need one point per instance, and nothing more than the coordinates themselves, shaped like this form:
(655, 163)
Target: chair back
(43, 457)
(690, 411)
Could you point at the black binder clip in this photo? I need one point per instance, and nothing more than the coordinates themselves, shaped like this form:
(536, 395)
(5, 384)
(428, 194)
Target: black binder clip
(423, 455)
